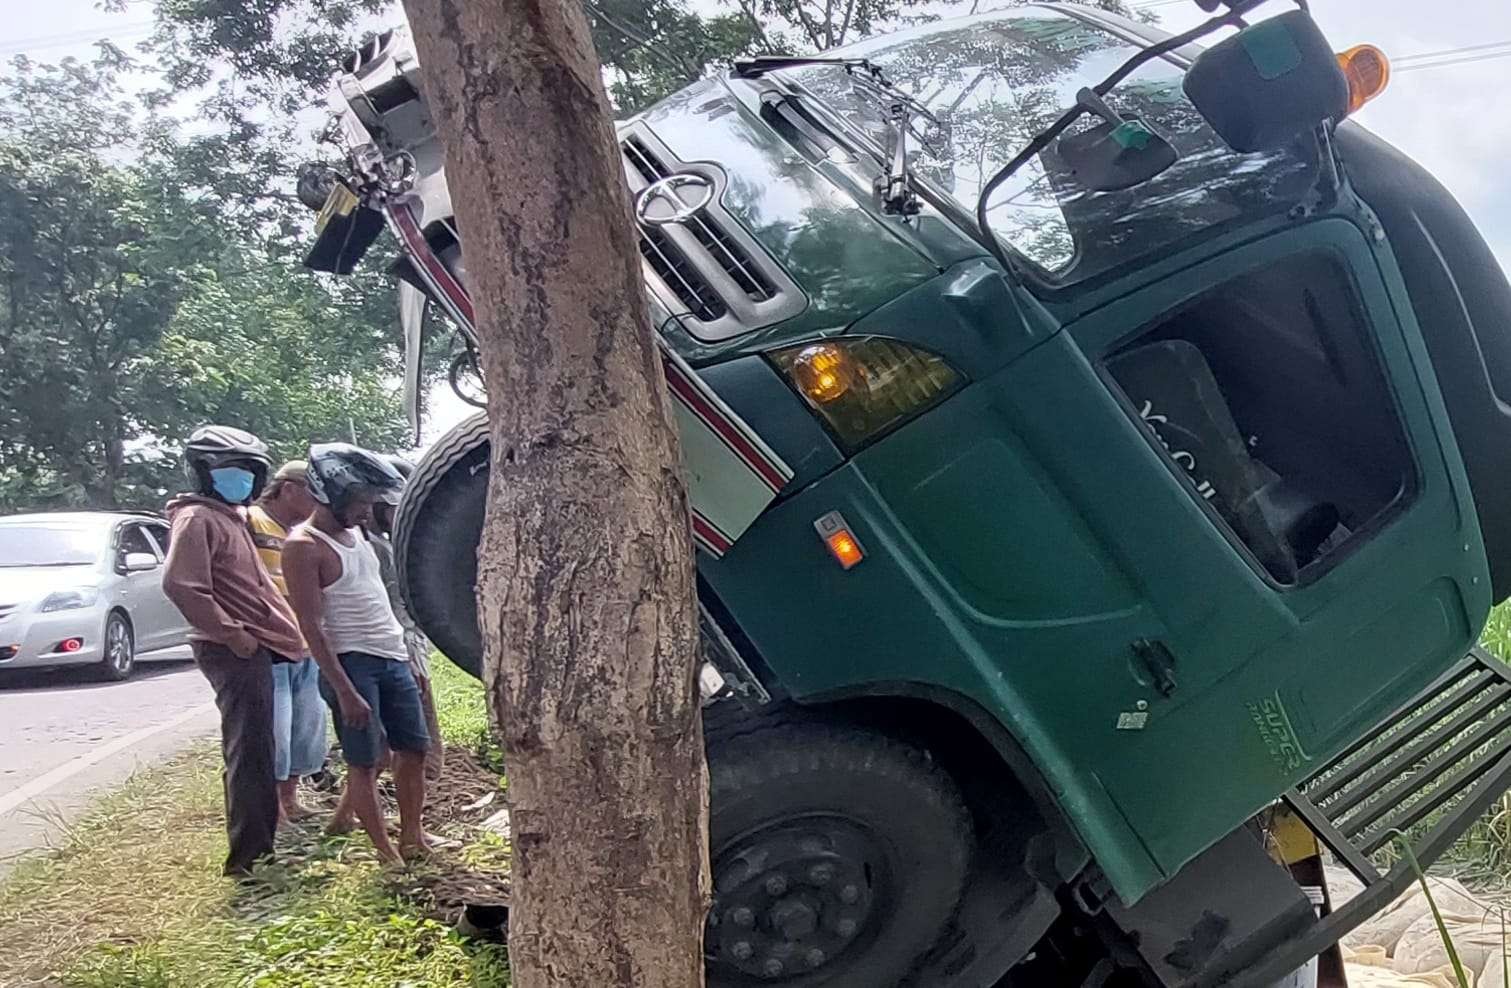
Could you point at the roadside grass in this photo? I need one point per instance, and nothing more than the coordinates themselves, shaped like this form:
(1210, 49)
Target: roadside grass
(133, 898)
(1482, 857)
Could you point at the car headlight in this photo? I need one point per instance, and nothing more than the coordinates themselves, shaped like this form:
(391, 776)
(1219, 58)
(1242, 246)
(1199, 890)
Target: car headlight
(866, 386)
(68, 600)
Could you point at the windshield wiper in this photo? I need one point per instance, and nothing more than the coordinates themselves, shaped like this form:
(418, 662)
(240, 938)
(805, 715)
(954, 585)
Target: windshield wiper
(895, 188)
(754, 68)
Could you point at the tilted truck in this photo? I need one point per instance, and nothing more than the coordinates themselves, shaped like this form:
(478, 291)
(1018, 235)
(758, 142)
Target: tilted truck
(1096, 448)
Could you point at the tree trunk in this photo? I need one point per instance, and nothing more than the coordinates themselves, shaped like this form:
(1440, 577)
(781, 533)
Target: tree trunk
(586, 593)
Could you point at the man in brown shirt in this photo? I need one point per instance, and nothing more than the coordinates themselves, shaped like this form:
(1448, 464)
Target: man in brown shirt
(241, 624)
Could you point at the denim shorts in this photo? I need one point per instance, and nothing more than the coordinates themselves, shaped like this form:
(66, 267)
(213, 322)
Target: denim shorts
(299, 742)
(389, 688)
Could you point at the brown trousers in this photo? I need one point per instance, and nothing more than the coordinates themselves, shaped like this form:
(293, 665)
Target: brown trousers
(244, 694)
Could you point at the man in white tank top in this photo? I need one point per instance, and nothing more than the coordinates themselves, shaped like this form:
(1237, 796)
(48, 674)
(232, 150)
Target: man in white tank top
(343, 608)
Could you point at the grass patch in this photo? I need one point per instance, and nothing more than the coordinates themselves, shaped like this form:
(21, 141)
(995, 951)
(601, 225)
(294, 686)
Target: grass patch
(461, 706)
(134, 899)
(1482, 856)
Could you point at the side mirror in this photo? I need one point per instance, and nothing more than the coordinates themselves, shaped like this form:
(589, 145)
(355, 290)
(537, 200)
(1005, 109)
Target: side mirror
(139, 562)
(1118, 153)
(1268, 83)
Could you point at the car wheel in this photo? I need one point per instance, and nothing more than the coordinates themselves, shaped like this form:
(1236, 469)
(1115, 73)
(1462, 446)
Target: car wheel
(839, 856)
(120, 648)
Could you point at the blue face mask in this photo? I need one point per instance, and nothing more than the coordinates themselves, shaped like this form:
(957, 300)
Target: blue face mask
(233, 484)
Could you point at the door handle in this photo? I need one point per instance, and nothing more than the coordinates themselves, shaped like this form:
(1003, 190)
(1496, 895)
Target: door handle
(1156, 659)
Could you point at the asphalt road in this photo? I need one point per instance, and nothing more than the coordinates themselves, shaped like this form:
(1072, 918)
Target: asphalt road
(66, 738)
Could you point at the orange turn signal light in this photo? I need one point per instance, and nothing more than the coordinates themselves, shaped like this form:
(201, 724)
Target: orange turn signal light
(842, 543)
(824, 373)
(1368, 73)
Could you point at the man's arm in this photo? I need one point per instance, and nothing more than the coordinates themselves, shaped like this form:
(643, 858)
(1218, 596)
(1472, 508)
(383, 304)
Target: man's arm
(187, 582)
(302, 560)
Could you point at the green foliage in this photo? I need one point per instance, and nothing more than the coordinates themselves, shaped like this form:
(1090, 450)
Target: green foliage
(133, 308)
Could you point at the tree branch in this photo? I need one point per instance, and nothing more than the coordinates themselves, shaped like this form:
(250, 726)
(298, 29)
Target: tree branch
(675, 61)
(844, 29)
(747, 7)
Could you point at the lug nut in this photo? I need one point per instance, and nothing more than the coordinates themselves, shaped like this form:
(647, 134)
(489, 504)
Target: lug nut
(821, 874)
(772, 968)
(742, 916)
(815, 957)
(742, 950)
(846, 927)
(776, 885)
(849, 895)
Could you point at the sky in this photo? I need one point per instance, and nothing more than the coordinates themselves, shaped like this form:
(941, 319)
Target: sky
(1448, 118)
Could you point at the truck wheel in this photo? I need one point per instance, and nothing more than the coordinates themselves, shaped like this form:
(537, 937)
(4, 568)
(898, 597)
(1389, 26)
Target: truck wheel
(436, 533)
(838, 856)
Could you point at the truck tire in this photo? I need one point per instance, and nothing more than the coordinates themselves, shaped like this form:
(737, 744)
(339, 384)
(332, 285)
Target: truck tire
(839, 855)
(436, 533)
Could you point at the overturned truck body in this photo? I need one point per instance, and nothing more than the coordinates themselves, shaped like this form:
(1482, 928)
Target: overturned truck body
(1093, 443)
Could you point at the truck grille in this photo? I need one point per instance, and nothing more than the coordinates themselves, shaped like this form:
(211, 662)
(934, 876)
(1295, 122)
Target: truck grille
(672, 266)
(720, 247)
(707, 264)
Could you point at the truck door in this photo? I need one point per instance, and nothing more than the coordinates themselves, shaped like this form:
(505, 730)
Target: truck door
(1260, 445)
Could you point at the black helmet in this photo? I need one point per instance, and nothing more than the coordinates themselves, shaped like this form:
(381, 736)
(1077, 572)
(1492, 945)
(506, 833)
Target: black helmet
(340, 471)
(405, 468)
(213, 446)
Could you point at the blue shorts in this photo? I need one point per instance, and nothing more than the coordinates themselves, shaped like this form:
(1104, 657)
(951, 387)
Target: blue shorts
(389, 688)
(299, 742)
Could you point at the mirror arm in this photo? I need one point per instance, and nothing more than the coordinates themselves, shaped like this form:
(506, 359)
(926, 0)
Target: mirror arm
(1233, 16)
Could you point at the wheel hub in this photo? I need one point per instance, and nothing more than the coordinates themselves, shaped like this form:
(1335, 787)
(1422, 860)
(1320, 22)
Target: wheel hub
(793, 899)
(120, 651)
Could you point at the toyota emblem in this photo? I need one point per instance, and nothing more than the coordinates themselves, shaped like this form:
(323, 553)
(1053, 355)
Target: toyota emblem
(674, 199)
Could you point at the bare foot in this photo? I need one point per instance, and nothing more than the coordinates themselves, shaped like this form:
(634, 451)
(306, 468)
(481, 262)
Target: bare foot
(296, 812)
(340, 824)
(417, 849)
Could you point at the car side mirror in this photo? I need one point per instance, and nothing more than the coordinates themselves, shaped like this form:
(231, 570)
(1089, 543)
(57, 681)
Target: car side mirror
(1268, 83)
(139, 562)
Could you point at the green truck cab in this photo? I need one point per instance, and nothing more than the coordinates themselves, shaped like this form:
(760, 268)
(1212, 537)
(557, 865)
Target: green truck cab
(1058, 523)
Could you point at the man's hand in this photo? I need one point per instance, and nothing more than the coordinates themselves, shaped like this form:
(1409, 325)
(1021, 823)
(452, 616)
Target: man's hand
(244, 645)
(355, 713)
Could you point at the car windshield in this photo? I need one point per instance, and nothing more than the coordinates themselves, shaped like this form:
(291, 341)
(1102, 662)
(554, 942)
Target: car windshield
(993, 81)
(49, 545)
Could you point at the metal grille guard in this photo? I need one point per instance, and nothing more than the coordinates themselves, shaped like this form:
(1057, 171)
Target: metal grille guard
(1437, 764)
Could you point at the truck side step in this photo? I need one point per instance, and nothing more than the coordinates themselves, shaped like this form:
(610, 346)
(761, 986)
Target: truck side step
(1430, 755)
(1436, 765)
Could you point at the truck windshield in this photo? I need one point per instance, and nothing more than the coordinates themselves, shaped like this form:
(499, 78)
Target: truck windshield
(993, 81)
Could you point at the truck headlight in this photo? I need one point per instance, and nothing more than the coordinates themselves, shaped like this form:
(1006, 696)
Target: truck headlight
(863, 387)
(68, 600)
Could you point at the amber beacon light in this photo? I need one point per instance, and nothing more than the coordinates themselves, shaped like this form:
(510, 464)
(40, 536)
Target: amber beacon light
(1368, 72)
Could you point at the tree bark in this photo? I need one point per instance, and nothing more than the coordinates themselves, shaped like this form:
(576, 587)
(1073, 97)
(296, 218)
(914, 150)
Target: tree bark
(586, 593)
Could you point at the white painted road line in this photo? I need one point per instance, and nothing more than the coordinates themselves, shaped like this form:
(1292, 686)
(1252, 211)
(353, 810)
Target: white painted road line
(36, 787)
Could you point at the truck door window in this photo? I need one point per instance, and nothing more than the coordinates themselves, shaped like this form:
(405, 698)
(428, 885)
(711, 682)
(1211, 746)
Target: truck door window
(1266, 394)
